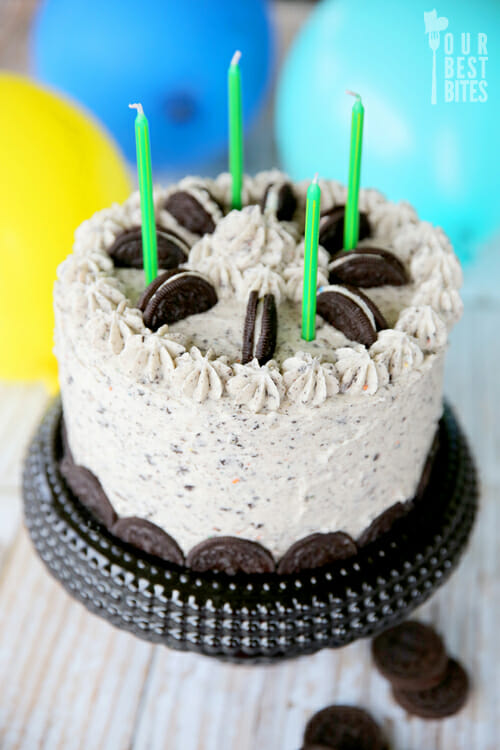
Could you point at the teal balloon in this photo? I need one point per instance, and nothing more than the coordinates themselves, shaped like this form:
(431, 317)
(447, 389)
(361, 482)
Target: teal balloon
(443, 157)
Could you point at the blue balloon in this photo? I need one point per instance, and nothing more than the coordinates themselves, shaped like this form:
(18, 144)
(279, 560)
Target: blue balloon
(443, 157)
(170, 56)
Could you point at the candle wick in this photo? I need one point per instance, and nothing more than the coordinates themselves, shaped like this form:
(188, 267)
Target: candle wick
(236, 57)
(353, 93)
(315, 178)
(138, 107)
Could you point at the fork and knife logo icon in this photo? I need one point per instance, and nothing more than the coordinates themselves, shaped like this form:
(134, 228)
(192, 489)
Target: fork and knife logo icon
(433, 27)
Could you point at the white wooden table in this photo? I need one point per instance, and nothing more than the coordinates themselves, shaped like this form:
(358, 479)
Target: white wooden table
(69, 680)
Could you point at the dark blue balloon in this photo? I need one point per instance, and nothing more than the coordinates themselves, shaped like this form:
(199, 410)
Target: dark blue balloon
(170, 56)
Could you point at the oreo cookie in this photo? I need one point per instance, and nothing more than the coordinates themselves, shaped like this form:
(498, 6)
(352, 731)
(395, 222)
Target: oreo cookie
(266, 343)
(367, 267)
(331, 228)
(412, 656)
(174, 295)
(189, 213)
(230, 555)
(279, 199)
(126, 251)
(441, 701)
(383, 523)
(88, 490)
(317, 550)
(348, 310)
(344, 728)
(149, 538)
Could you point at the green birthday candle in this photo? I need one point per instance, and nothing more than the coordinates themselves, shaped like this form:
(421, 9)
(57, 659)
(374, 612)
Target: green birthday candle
(144, 174)
(351, 220)
(235, 130)
(311, 240)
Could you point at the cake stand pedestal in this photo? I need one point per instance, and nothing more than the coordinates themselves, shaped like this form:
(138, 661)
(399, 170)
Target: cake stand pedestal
(252, 618)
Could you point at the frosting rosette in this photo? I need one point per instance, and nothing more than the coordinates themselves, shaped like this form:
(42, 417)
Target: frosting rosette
(397, 353)
(308, 380)
(357, 372)
(423, 324)
(201, 376)
(258, 388)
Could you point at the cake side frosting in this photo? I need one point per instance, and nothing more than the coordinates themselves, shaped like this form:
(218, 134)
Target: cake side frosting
(181, 433)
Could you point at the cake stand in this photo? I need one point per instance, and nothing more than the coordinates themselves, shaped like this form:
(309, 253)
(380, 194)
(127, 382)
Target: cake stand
(252, 618)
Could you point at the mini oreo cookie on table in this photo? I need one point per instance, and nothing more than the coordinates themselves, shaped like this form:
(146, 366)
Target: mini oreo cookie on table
(425, 681)
(412, 656)
(343, 728)
(174, 295)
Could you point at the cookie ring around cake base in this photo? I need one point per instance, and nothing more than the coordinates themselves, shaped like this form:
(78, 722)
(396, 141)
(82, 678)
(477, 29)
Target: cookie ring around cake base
(251, 618)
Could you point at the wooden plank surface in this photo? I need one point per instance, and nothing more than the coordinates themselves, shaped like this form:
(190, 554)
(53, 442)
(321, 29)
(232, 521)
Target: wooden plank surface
(70, 680)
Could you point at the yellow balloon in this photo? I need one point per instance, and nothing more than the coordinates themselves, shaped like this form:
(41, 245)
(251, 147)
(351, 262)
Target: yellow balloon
(57, 167)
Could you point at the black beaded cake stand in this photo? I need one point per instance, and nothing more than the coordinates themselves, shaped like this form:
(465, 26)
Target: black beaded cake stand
(252, 618)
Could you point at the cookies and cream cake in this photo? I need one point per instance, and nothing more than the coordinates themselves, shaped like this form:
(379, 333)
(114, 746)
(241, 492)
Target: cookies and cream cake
(194, 411)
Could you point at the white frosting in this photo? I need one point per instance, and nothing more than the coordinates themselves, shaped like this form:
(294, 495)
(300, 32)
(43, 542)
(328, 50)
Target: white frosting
(258, 388)
(325, 437)
(201, 376)
(425, 325)
(150, 358)
(444, 300)
(308, 380)
(358, 373)
(397, 353)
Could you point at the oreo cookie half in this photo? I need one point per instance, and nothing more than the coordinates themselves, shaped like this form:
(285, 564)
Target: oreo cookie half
(189, 213)
(88, 489)
(174, 295)
(126, 251)
(331, 228)
(344, 728)
(230, 555)
(317, 550)
(280, 199)
(266, 343)
(149, 538)
(367, 267)
(446, 699)
(411, 656)
(351, 312)
(383, 523)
